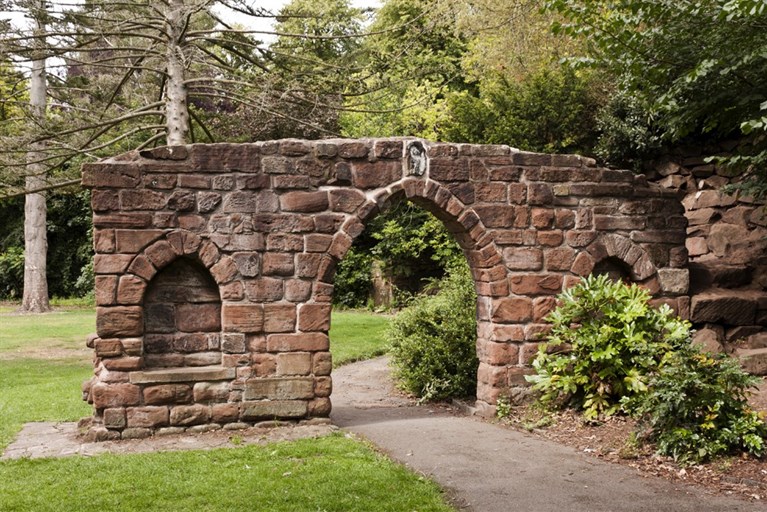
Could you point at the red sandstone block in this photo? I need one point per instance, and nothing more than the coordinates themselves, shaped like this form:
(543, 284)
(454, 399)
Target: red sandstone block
(245, 318)
(353, 150)
(233, 291)
(523, 258)
(186, 415)
(307, 265)
(224, 413)
(192, 222)
(492, 375)
(167, 394)
(284, 388)
(322, 363)
(318, 242)
(319, 408)
(583, 264)
(535, 332)
(304, 202)
(133, 240)
(106, 290)
(508, 333)
(542, 218)
(120, 321)
(271, 409)
(279, 318)
(498, 354)
(142, 199)
(314, 317)
(559, 258)
(108, 347)
(114, 395)
(536, 284)
(182, 201)
(247, 263)
(551, 238)
(287, 182)
(492, 192)
(294, 363)
(512, 310)
(297, 290)
(123, 364)
(123, 220)
(224, 271)
(160, 181)
(198, 317)
(160, 253)
(542, 306)
(278, 264)
(104, 241)
(142, 267)
(369, 175)
(340, 246)
(130, 290)
(388, 149)
(264, 365)
(265, 289)
(198, 181)
(114, 418)
(211, 392)
(282, 242)
(323, 386)
(328, 222)
(301, 342)
(111, 263)
(209, 254)
(147, 417)
(580, 238)
(105, 200)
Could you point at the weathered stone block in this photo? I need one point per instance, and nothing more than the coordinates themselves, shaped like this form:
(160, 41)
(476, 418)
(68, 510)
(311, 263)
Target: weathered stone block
(119, 321)
(167, 394)
(283, 388)
(729, 308)
(294, 363)
(186, 415)
(512, 310)
(270, 409)
(211, 392)
(115, 395)
(244, 318)
(314, 317)
(147, 417)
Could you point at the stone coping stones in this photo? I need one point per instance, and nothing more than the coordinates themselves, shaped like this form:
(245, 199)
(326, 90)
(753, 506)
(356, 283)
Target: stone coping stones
(185, 374)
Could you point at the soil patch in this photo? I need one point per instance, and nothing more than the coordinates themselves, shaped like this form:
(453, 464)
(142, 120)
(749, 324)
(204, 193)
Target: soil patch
(609, 440)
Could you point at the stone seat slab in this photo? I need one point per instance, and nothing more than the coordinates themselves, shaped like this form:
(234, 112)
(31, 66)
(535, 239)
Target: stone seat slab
(188, 374)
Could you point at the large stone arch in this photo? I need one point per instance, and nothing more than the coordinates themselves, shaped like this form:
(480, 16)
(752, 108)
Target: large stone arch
(270, 221)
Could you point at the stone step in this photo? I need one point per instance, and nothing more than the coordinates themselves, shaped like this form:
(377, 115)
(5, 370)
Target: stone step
(754, 361)
(729, 307)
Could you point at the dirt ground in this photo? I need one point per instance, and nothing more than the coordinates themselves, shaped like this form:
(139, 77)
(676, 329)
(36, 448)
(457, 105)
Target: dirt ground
(743, 475)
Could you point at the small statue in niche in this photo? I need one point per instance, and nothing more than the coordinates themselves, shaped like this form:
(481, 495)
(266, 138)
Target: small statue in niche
(416, 155)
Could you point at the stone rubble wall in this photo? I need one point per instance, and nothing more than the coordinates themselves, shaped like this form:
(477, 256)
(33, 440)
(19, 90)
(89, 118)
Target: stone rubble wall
(268, 223)
(727, 247)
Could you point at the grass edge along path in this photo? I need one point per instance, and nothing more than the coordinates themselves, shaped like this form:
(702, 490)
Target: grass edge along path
(333, 473)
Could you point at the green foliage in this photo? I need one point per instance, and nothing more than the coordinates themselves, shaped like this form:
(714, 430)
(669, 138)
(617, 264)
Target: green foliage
(604, 342)
(698, 67)
(353, 281)
(550, 110)
(433, 341)
(627, 136)
(12, 273)
(695, 407)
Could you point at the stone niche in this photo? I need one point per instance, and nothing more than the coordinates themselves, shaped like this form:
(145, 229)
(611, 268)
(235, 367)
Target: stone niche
(214, 265)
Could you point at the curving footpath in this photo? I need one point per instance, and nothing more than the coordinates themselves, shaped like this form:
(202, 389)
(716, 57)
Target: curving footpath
(488, 468)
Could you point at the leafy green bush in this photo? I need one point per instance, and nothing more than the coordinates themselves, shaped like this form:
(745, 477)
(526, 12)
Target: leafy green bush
(353, 282)
(433, 342)
(696, 408)
(12, 273)
(604, 342)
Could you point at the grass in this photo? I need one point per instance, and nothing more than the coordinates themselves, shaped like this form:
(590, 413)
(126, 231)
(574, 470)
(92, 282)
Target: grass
(40, 390)
(357, 335)
(330, 473)
(61, 329)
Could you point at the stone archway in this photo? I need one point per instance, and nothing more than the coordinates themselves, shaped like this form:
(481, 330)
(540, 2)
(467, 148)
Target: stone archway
(271, 220)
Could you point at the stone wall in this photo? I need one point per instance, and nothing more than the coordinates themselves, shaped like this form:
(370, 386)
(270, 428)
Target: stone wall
(727, 247)
(215, 264)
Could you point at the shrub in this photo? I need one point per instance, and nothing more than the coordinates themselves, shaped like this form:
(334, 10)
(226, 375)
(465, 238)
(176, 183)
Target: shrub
(353, 282)
(604, 342)
(12, 273)
(433, 341)
(695, 407)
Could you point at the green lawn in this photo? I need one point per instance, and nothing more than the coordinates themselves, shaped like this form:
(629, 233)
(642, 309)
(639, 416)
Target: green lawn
(357, 335)
(332, 473)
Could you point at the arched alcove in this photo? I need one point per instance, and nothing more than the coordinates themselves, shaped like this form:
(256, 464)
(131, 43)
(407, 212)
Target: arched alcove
(182, 317)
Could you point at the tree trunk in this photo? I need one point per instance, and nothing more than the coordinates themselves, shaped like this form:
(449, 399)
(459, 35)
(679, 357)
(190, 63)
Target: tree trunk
(176, 107)
(35, 298)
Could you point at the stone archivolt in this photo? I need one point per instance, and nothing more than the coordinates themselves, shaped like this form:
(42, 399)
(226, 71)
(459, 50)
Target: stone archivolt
(267, 223)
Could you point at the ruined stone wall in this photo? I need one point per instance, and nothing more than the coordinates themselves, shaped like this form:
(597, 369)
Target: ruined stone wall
(214, 264)
(727, 246)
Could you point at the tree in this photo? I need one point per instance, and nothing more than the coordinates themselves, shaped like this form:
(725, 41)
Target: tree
(698, 68)
(130, 75)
